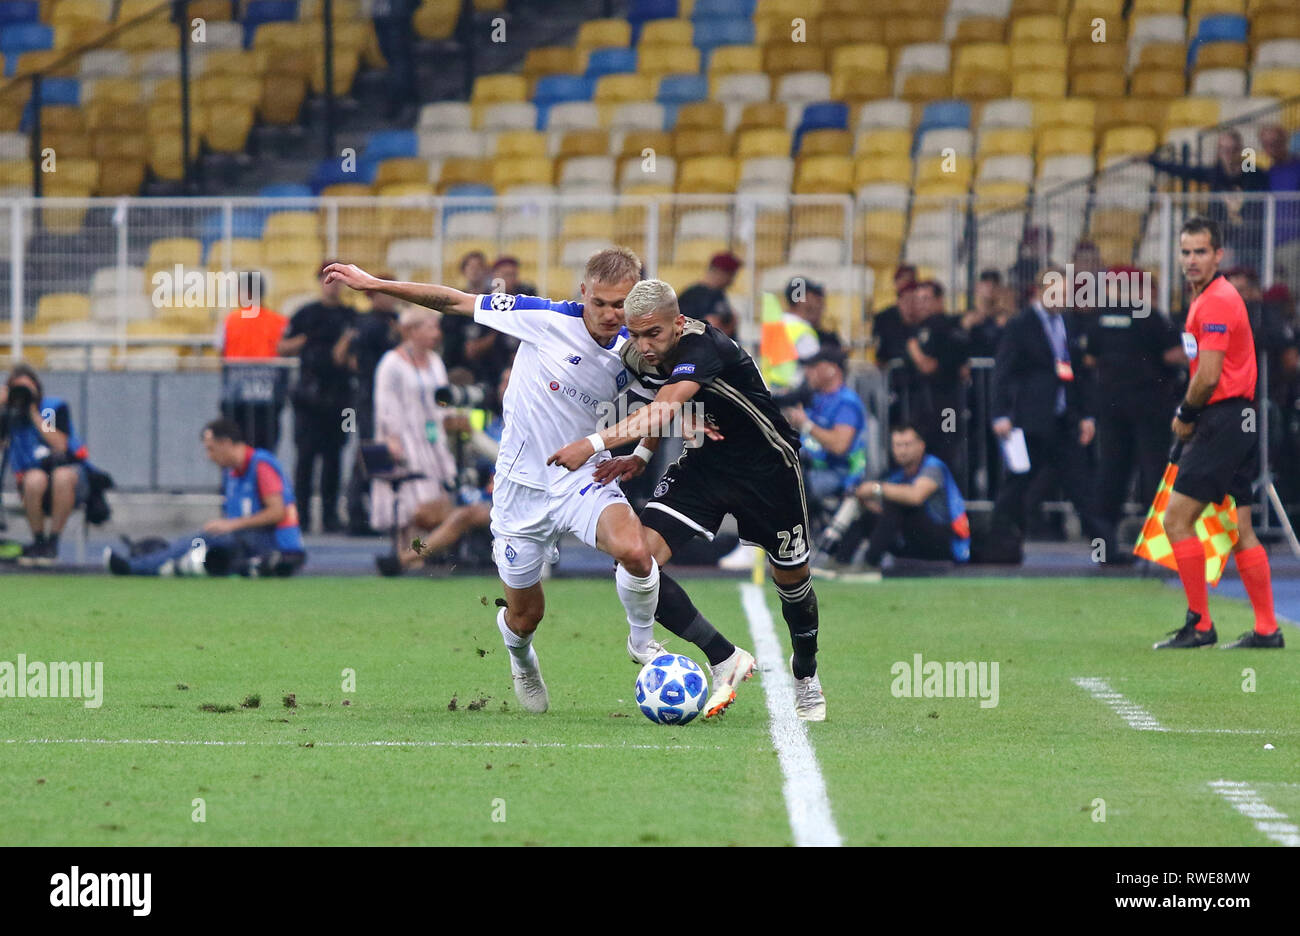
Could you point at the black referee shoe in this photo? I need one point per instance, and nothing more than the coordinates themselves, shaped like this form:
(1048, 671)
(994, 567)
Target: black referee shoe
(1188, 637)
(1254, 640)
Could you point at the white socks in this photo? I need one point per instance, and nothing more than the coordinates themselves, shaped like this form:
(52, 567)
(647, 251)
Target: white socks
(521, 648)
(640, 597)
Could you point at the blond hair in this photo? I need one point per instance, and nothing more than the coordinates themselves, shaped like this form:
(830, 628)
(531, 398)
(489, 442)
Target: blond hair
(413, 315)
(648, 297)
(613, 265)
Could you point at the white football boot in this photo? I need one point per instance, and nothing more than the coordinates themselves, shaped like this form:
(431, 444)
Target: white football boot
(530, 688)
(653, 650)
(809, 700)
(727, 675)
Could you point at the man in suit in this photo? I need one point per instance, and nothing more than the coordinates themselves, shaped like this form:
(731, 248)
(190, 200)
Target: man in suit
(1039, 386)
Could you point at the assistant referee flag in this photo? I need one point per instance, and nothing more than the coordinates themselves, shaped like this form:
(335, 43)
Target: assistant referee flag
(1216, 528)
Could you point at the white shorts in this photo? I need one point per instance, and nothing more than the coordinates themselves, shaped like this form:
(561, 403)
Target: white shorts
(528, 523)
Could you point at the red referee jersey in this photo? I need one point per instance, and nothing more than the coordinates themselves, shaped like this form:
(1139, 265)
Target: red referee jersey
(1217, 321)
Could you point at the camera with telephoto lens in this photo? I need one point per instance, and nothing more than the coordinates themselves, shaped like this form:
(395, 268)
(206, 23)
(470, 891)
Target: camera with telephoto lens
(17, 411)
(796, 396)
(472, 396)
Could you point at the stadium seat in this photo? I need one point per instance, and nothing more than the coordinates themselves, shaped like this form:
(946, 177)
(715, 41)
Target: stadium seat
(506, 116)
(610, 61)
(1158, 83)
(635, 143)
(707, 174)
(825, 143)
(1065, 141)
(570, 115)
(582, 143)
(735, 59)
(665, 32)
(743, 88)
(884, 142)
(1275, 24)
(679, 89)
(762, 142)
(711, 33)
(1277, 53)
(803, 87)
(1280, 82)
(1003, 168)
(886, 113)
(1006, 141)
(701, 115)
(622, 88)
(593, 173)
(700, 142)
(657, 61)
(600, 33)
(872, 170)
(1126, 141)
(775, 172)
(1220, 82)
(1216, 28)
(920, 58)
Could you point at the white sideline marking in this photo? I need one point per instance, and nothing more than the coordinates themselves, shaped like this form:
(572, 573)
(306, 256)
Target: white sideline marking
(1268, 820)
(453, 744)
(1136, 716)
(804, 788)
(1139, 718)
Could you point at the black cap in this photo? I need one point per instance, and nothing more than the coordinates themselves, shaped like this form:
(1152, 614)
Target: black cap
(809, 286)
(826, 353)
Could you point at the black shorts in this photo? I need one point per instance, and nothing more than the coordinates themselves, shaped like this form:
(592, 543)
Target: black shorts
(1222, 456)
(768, 503)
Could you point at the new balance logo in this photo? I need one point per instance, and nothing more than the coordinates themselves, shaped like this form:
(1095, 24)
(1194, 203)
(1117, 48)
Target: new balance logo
(573, 358)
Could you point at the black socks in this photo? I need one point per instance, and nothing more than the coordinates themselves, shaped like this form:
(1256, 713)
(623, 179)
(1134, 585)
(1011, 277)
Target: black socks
(799, 607)
(677, 613)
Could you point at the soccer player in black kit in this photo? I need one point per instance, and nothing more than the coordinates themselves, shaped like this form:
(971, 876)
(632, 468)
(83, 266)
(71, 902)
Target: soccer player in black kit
(747, 466)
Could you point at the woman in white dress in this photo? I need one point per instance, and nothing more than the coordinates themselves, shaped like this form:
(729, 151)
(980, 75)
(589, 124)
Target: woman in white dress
(411, 422)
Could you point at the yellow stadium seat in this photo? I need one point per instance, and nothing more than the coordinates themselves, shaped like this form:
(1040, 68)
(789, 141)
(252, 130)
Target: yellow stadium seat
(707, 174)
(1127, 141)
(96, 11)
(626, 87)
(983, 56)
(228, 126)
(668, 60)
(666, 32)
(245, 252)
(930, 86)
(1274, 24)
(826, 143)
(233, 62)
(549, 60)
(146, 37)
(942, 188)
(346, 190)
(1147, 112)
(1098, 84)
(292, 224)
(135, 9)
(1158, 82)
(1038, 83)
(238, 89)
(401, 169)
(584, 143)
(935, 169)
(1047, 56)
(636, 142)
(788, 9)
(1077, 112)
(886, 224)
(600, 33)
(286, 250)
(785, 58)
(1279, 82)
(735, 59)
(520, 143)
(110, 144)
(860, 57)
(66, 145)
(1065, 141)
(290, 37)
(498, 89)
(1038, 28)
(1163, 55)
(856, 87)
(823, 174)
(851, 29)
(697, 251)
(521, 170)
(1006, 141)
(904, 29)
(282, 98)
(691, 143)
(314, 10)
(29, 63)
(59, 118)
(1002, 195)
(346, 64)
(582, 225)
(884, 142)
(972, 29)
(119, 90)
(436, 19)
(461, 171)
(1038, 7)
(701, 115)
(872, 169)
(762, 142)
(78, 33)
(1086, 56)
(1193, 112)
(213, 11)
(1222, 55)
(1157, 7)
(762, 114)
(169, 251)
(63, 307)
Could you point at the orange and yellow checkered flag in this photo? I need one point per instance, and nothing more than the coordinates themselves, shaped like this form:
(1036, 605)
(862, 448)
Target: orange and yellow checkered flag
(1216, 528)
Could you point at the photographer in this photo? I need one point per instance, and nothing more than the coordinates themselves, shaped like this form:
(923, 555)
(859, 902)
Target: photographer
(47, 459)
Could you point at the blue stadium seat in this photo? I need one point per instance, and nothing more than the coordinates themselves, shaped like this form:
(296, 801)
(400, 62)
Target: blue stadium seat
(244, 222)
(682, 89)
(53, 91)
(22, 11)
(470, 191)
(24, 37)
(257, 12)
(388, 144)
(723, 9)
(558, 89)
(610, 61)
(285, 190)
(640, 11)
(1221, 28)
(828, 115)
(945, 115)
(331, 172)
(711, 33)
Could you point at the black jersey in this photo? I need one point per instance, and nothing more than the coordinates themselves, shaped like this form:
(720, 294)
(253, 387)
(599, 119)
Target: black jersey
(734, 394)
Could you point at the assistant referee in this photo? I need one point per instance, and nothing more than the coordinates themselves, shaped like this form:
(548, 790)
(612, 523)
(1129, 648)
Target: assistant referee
(1216, 423)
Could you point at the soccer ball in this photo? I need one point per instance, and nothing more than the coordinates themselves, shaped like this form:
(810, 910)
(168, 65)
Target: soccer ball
(671, 689)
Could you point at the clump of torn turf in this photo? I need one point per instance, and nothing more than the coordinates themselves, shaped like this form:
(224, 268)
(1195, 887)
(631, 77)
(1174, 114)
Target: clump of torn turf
(291, 700)
(221, 709)
(478, 704)
(182, 686)
(451, 706)
(251, 701)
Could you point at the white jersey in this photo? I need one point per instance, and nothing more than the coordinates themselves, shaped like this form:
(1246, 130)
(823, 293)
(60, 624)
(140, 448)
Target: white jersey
(559, 380)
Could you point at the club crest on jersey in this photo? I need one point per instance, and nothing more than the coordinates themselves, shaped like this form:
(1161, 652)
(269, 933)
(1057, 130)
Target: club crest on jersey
(661, 488)
(683, 369)
(573, 358)
(621, 380)
(511, 555)
(1189, 345)
(501, 302)
(554, 385)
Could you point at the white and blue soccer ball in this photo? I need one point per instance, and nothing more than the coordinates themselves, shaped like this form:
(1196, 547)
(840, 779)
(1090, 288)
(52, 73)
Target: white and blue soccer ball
(671, 689)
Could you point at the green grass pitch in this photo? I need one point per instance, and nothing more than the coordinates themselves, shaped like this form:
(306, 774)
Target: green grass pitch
(593, 770)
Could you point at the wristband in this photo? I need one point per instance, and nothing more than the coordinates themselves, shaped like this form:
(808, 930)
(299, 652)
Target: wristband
(596, 442)
(1188, 413)
(644, 453)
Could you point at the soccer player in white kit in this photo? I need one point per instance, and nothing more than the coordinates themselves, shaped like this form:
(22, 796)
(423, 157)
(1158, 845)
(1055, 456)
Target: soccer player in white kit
(568, 364)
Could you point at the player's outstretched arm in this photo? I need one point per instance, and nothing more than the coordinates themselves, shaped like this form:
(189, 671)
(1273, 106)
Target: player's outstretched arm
(647, 421)
(430, 295)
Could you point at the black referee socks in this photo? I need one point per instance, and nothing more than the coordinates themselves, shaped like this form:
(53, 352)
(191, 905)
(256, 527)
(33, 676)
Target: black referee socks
(799, 607)
(677, 613)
